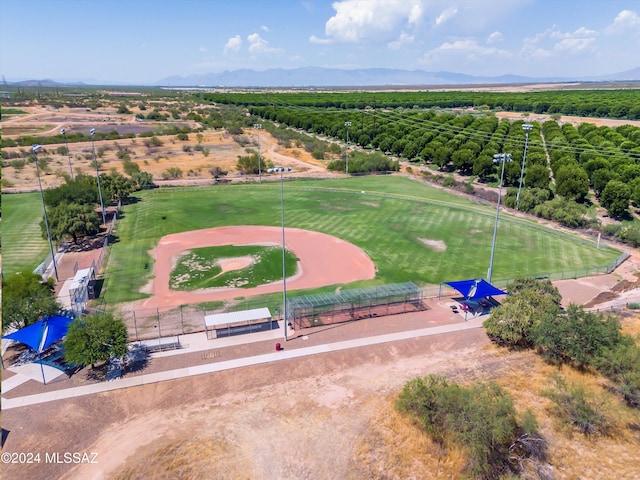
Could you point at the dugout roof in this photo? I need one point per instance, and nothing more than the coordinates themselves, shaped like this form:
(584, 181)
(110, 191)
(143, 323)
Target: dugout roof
(237, 317)
(354, 295)
(475, 288)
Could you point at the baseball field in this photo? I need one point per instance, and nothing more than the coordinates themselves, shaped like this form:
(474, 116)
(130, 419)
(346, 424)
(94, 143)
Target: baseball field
(411, 232)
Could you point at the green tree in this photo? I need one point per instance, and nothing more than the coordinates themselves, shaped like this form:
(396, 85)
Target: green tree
(615, 198)
(71, 219)
(537, 176)
(577, 336)
(83, 190)
(142, 179)
(248, 164)
(530, 302)
(26, 299)
(95, 338)
(572, 182)
(116, 187)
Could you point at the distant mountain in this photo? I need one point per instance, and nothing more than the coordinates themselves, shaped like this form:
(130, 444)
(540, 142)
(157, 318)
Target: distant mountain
(333, 77)
(628, 75)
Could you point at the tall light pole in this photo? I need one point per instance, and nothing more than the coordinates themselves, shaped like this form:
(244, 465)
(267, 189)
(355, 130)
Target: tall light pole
(95, 162)
(347, 124)
(284, 271)
(497, 158)
(258, 126)
(527, 128)
(66, 142)
(35, 149)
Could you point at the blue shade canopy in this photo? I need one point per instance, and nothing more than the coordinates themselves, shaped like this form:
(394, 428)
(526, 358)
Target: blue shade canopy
(471, 289)
(43, 333)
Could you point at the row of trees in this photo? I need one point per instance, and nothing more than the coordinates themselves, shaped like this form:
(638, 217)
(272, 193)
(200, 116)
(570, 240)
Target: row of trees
(586, 103)
(587, 158)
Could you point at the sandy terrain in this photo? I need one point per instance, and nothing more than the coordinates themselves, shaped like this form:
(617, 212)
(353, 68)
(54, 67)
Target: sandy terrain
(344, 262)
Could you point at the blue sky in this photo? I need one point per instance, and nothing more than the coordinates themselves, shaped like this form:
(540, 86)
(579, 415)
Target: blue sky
(144, 41)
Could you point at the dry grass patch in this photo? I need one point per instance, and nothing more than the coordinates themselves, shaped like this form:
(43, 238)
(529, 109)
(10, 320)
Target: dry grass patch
(193, 458)
(573, 455)
(436, 245)
(395, 447)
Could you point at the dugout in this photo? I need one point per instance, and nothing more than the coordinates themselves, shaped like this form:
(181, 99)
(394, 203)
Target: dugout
(238, 323)
(354, 304)
(79, 289)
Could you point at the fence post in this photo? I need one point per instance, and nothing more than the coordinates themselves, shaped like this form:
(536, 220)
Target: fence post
(158, 318)
(135, 325)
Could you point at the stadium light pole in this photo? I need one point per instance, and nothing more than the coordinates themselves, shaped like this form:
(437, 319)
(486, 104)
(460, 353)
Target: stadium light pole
(347, 124)
(284, 271)
(95, 162)
(258, 126)
(497, 158)
(527, 128)
(35, 149)
(66, 142)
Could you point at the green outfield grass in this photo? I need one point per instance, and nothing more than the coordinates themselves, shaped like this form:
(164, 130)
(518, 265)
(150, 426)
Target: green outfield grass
(411, 231)
(199, 269)
(23, 246)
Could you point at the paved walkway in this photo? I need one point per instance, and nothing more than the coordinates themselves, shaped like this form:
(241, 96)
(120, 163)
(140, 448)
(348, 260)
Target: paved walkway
(146, 379)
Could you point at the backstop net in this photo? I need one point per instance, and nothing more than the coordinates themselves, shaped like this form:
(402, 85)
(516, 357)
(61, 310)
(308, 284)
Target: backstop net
(347, 305)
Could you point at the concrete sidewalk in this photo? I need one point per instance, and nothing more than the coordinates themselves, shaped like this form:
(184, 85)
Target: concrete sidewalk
(231, 364)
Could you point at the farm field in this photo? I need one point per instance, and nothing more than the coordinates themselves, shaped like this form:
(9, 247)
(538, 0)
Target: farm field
(23, 246)
(422, 235)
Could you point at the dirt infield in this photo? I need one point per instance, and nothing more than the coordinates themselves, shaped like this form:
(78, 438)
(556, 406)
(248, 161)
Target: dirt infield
(323, 260)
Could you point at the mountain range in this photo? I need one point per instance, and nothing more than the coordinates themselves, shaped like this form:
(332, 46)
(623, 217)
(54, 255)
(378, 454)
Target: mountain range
(334, 77)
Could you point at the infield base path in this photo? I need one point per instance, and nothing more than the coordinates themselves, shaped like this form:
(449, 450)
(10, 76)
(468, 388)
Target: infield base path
(323, 260)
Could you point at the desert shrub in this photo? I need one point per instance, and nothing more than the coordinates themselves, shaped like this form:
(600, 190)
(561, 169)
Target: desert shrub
(480, 417)
(576, 337)
(18, 164)
(577, 407)
(172, 173)
(130, 167)
(449, 181)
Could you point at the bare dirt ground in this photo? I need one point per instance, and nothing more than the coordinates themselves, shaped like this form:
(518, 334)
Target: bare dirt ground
(223, 151)
(346, 263)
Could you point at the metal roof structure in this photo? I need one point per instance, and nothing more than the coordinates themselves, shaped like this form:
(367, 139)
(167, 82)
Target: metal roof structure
(220, 319)
(355, 295)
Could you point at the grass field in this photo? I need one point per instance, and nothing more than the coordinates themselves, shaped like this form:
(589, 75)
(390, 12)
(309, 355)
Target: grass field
(411, 231)
(199, 268)
(23, 246)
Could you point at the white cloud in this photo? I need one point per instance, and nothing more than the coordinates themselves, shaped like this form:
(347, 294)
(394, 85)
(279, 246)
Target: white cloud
(627, 21)
(448, 14)
(404, 39)
(495, 37)
(258, 45)
(462, 51)
(265, 29)
(357, 20)
(553, 41)
(203, 49)
(319, 41)
(233, 45)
